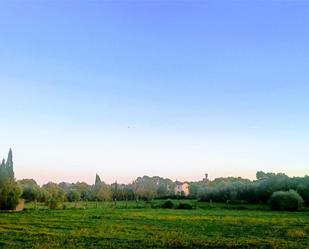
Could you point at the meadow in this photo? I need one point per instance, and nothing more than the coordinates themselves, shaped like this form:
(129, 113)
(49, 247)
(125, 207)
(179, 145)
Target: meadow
(102, 225)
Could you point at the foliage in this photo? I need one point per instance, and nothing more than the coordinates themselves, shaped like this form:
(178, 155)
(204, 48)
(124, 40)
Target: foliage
(182, 205)
(286, 201)
(31, 190)
(84, 190)
(10, 191)
(97, 180)
(149, 188)
(168, 204)
(240, 190)
(101, 191)
(54, 195)
(73, 195)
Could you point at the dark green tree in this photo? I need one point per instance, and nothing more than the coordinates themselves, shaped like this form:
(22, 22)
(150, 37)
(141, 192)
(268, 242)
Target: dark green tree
(9, 165)
(97, 180)
(10, 192)
(31, 190)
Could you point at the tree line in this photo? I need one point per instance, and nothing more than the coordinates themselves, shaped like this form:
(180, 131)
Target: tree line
(229, 189)
(263, 190)
(143, 188)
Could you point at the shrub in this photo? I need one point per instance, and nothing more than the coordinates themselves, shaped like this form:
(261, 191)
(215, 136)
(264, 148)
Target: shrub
(184, 206)
(54, 200)
(9, 195)
(52, 203)
(168, 204)
(286, 201)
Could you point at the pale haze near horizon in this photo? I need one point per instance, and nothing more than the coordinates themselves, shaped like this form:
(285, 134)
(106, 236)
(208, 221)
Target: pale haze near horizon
(175, 89)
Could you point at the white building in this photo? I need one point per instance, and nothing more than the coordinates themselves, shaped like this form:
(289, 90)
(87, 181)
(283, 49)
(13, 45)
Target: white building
(182, 188)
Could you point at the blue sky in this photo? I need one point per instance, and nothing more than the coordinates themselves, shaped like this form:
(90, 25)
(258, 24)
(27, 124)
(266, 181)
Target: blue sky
(176, 89)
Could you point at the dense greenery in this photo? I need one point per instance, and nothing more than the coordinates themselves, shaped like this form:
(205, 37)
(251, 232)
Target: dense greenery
(9, 189)
(286, 201)
(227, 190)
(230, 189)
(149, 226)
(145, 188)
(233, 189)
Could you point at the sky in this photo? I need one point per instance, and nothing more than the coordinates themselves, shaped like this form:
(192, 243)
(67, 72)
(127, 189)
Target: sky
(170, 88)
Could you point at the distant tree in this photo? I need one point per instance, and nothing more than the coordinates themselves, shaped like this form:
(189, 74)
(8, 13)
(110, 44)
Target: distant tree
(127, 193)
(135, 191)
(97, 179)
(103, 193)
(303, 189)
(149, 188)
(100, 190)
(31, 190)
(9, 165)
(162, 191)
(73, 196)
(54, 195)
(84, 190)
(260, 175)
(194, 188)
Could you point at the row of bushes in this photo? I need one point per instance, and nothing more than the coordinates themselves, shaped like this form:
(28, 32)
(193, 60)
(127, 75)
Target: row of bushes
(169, 204)
(279, 201)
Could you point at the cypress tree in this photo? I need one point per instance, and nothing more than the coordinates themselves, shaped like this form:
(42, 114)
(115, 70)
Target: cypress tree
(9, 189)
(9, 165)
(97, 180)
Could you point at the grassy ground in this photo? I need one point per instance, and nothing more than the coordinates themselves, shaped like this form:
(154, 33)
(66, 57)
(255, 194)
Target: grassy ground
(148, 226)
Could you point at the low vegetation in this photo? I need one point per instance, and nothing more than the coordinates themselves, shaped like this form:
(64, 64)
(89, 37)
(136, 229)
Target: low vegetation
(102, 225)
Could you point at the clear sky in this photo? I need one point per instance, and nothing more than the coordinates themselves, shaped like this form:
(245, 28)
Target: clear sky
(175, 89)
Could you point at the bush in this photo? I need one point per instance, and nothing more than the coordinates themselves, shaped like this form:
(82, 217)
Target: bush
(54, 200)
(184, 206)
(168, 204)
(52, 203)
(9, 195)
(286, 201)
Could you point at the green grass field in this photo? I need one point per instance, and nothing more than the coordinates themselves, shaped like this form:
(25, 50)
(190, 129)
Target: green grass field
(148, 226)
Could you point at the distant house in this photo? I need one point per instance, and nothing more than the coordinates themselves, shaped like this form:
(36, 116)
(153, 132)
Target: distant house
(182, 188)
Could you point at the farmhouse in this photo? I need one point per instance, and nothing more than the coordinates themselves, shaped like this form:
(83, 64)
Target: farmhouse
(182, 188)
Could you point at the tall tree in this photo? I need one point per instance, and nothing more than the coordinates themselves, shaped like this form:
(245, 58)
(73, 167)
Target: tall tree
(9, 165)
(9, 189)
(97, 180)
